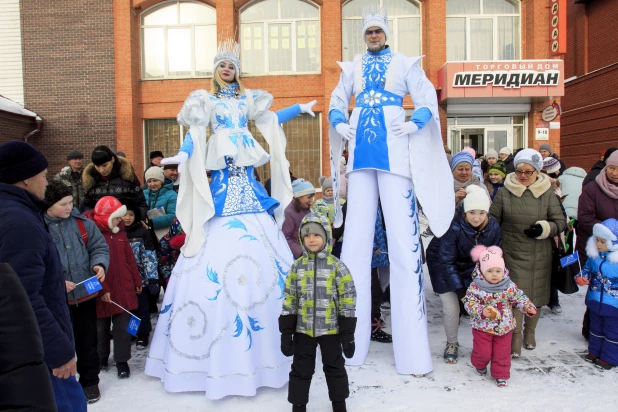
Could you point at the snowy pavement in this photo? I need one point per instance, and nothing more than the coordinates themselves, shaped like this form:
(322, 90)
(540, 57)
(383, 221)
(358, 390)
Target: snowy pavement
(552, 377)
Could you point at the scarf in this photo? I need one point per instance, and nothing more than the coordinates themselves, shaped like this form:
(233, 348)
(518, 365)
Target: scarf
(328, 199)
(485, 286)
(608, 187)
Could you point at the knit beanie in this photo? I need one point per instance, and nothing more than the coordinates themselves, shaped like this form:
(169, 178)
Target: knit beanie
(156, 153)
(326, 183)
(488, 257)
(612, 160)
(608, 230)
(57, 190)
(498, 167)
(470, 151)
(301, 187)
(506, 151)
(75, 154)
(169, 167)
(108, 208)
(491, 153)
(476, 199)
(531, 157)
(551, 165)
(545, 146)
(313, 228)
(101, 155)
(154, 172)
(461, 157)
(374, 20)
(20, 161)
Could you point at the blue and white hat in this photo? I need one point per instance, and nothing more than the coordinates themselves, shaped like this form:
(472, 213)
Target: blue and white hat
(374, 16)
(461, 157)
(302, 187)
(607, 230)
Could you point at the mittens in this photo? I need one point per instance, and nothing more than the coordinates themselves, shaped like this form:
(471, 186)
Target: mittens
(287, 344)
(287, 327)
(534, 231)
(347, 327)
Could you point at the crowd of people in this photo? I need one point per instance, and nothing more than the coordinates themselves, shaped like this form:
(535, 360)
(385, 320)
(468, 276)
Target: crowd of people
(255, 277)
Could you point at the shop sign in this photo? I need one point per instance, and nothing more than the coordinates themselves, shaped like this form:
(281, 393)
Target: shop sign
(557, 27)
(514, 78)
(542, 133)
(551, 112)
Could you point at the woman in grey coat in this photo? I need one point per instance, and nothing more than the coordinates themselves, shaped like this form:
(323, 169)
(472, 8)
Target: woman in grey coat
(530, 216)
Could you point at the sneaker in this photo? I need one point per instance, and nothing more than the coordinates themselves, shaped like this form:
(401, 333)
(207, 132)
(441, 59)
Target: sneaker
(482, 372)
(92, 393)
(104, 365)
(377, 334)
(502, 383)
(142, 343)
(419, 375)
(601, 364)
(124, 372)
(591, 358)
(556, 309)
(451, 352)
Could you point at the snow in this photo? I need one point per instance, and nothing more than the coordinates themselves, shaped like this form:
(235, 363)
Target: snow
(552, 377)
(8, 105)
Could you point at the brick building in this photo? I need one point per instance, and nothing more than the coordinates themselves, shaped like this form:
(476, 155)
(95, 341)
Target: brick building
(590, 108)
(116, 72)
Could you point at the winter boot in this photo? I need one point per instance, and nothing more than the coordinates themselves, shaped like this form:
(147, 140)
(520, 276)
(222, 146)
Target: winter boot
(377, 334)
(451, 352)
(142, 343)
(123, 370)
(299, 408)
(104, 365)
(92, 393)
(482, 372)
(529, 329)
(339, 406)
(502, 383)
(601, 364)
(591, 358)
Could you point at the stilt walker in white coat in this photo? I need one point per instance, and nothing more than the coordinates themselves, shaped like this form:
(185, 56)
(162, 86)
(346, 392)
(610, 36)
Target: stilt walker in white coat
(402, 160)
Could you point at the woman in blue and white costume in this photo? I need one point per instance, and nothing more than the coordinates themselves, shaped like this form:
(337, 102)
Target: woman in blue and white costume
(218, 327)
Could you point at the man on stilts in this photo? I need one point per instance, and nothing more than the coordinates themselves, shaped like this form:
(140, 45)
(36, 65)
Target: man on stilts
(401, 161)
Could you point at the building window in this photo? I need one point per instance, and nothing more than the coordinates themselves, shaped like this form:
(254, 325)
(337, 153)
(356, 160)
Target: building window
(280, 36)
(162, 134)
(303, 149)
(404, 21)
(179, 39)
(482, 30)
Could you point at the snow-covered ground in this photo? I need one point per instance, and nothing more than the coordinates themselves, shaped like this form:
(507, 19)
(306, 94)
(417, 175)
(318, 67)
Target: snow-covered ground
(552, 377)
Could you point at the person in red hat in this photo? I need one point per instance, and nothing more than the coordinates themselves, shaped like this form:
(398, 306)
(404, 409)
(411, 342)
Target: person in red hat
(122, 284)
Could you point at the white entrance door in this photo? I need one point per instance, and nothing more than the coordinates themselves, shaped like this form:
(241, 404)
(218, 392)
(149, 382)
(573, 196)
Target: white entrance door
(498, 137)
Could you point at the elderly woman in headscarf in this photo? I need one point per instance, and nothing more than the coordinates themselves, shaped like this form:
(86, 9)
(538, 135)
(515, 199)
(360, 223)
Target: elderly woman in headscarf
(461, 165)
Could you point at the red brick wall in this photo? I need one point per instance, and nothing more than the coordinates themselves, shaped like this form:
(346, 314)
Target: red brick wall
(69, 74)
(590, 106)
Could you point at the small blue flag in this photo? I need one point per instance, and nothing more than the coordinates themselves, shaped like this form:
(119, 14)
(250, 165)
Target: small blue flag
(133, 325)
(569, 260)
(92, 285)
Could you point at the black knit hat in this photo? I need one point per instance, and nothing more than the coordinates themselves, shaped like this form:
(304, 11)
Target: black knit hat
(102, 154)
(56, 191)
(156, 153)
(168, 167)
(75, 154)
(20, 161)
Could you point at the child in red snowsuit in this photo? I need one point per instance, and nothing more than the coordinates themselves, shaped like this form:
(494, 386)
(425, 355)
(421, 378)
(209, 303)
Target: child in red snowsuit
(489, 301)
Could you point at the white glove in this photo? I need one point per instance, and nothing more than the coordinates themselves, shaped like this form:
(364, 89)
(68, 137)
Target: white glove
(306, 107)
(346, 131)
(404, 129)
(179, 159)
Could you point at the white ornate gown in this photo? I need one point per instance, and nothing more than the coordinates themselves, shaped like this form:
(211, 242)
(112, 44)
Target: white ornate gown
(218, 326)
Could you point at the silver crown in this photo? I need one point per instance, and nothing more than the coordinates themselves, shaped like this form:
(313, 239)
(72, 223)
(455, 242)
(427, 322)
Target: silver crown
(228, 50)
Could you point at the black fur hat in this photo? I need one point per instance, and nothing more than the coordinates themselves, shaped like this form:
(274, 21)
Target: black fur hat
(56, 191)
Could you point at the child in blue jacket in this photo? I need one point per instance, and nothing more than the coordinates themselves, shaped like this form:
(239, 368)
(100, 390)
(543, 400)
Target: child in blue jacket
(601, 274)
(450, 264)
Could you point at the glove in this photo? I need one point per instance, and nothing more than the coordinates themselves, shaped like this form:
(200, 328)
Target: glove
(581, 281)
(404, 129)
(287, 344)
(154, 287)
(347, 327)
(534, 231)
(346, 131)
(461, 293)
(306, 107)
(179, 159)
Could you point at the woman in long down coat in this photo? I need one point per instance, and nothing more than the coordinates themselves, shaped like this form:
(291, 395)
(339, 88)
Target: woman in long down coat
(530, 216)
(218, 327)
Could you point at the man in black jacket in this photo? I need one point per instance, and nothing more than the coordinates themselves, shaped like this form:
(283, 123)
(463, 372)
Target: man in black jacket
(27, 246)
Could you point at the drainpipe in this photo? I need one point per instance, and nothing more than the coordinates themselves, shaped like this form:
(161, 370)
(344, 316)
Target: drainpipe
(39, 127)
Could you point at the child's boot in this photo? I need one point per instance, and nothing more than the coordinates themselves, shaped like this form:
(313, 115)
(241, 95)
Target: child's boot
(502, 383)
(601, 364)
(339, 406)
(299, 408)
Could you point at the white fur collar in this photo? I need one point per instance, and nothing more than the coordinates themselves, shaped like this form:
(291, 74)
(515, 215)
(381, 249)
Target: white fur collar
(593, 252)
(537, 188)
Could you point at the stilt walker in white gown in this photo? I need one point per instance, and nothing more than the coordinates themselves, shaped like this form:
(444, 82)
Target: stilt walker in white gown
(218, 327)
(402, 161)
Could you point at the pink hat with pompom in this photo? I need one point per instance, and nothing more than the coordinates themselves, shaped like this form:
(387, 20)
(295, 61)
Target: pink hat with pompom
(488, 257)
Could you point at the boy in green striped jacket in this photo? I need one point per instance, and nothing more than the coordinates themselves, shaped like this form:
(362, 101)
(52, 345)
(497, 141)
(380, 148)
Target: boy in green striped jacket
(318, 309)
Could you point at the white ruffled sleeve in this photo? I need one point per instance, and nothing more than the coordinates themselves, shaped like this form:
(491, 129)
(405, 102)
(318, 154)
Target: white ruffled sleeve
(261, 103)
